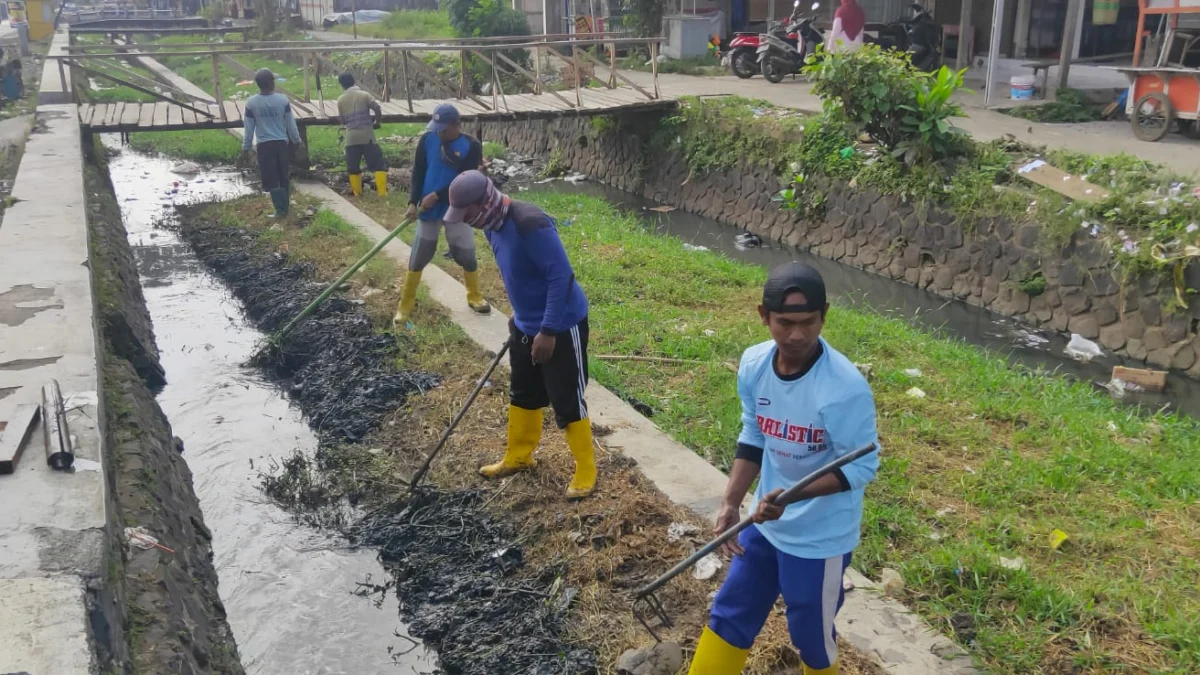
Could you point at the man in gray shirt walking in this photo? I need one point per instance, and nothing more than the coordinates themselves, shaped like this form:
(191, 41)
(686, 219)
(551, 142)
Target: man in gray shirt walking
(269, 117)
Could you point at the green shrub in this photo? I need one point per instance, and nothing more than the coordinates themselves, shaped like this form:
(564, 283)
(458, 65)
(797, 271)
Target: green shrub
(878, 91)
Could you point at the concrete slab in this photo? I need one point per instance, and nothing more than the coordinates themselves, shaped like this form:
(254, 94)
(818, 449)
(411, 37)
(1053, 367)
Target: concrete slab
(892, 635)
(39, 619)
(52, 524)
(55, 86)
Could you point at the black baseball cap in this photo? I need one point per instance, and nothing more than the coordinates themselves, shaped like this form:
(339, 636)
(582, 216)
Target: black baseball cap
(794, 277)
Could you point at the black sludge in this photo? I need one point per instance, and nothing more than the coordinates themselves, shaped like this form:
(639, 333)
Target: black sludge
(458, 571)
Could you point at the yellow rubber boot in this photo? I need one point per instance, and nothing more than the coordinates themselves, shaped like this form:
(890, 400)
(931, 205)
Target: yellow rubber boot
(715, 656)
(381, 183)
(831, 670)
(356, 184)
(408, 299)
(474, 297)
(579, 440)
(524, 434)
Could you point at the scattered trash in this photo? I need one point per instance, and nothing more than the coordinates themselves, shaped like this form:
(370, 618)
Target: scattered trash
(707, 567)
(708, 332)
(661, 209)
(677, 531)
(866, 369)
(913, 372)
(1118, 388)
(915, 393)
(892, 582)
(1057, 538)
(1082, 349)
(747, 240)
(944, 511)
(694, 248)
(575, 178)
(1147, 380)
(140, 537)
(1017, 564)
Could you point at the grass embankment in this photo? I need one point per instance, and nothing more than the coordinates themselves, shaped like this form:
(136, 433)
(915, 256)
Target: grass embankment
(1148, 219)
(987, 466)
(1069, 105)
(406, 25)
(622, 529)
(707, 66)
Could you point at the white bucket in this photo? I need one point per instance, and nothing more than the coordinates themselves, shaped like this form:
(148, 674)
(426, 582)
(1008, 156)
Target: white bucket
(1022, 87)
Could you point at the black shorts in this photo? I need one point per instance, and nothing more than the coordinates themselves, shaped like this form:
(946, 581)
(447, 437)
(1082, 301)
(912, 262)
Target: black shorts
(559, 383)
(368, 151)
(274, 161)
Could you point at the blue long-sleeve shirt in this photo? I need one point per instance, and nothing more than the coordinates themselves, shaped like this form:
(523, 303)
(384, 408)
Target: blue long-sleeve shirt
(537, 275)
(269, 116)
(802, 424)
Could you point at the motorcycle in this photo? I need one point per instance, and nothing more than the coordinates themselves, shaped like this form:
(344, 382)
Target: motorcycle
(782, 51)
(743, 54)
(919, 35)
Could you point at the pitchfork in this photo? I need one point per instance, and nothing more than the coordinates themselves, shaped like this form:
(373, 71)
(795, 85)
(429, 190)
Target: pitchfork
(646, 605)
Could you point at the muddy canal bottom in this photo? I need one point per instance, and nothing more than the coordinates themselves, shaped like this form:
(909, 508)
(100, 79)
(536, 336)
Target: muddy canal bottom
(289, 590)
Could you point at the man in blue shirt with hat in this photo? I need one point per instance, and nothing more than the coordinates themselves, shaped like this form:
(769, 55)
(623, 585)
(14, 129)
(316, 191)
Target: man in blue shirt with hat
(443, 152)
(803, 405)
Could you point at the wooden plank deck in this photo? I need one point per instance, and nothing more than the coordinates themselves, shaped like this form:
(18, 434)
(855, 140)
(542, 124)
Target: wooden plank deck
(163, 116)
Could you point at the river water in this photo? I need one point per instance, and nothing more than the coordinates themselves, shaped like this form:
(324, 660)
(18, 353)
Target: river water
(288, 589)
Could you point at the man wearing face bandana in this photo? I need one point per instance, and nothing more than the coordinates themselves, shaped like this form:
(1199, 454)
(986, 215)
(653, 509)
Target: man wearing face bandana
(548, 331)
(443, 152)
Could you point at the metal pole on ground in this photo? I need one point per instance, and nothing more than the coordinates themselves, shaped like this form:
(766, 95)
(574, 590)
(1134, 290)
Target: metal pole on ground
(412, 486)
(1067, 48)
(993, 51)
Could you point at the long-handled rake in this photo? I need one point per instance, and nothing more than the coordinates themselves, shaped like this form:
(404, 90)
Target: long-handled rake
(416, 479)
(277, 338)
(647, 607)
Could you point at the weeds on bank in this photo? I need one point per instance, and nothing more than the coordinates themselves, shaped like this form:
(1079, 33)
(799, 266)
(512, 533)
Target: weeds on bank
(985, 467)
(1069, 105)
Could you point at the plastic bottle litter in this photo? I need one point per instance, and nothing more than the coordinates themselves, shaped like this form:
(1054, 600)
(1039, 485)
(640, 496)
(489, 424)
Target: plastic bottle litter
(1082, 349)
(694, 248)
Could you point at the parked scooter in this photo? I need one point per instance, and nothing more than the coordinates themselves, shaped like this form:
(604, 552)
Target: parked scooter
(919, 35)
(743, 54)
(781, 52)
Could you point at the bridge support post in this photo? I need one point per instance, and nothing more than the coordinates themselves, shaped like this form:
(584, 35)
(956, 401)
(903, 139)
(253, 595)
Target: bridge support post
(300, 162)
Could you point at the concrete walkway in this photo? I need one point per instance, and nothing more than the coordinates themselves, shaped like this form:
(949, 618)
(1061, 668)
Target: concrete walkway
(52, 524)
(1176, 151)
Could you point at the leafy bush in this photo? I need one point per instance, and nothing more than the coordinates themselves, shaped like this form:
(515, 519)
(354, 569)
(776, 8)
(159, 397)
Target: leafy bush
(488, 18)
(644, 17)
(878, 91)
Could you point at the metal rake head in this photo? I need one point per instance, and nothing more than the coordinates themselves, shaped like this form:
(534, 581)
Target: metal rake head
(649, 611)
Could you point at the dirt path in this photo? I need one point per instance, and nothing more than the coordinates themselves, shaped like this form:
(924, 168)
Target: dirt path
(985, 125)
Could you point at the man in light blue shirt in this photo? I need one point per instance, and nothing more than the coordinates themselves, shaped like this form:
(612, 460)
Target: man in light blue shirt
(269, 117)
(803, 405)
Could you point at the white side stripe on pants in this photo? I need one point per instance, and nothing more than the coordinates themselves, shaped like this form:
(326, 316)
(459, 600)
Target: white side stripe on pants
(831, 589)
(578, 346)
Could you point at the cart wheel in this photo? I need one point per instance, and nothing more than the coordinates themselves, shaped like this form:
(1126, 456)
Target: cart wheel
(1152, 116)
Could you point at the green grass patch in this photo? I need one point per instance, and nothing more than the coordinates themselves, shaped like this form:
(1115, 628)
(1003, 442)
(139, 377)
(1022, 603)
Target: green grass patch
(986, 466)
(208, 145)
(706, 66)
(406, 25)
(1069, 105)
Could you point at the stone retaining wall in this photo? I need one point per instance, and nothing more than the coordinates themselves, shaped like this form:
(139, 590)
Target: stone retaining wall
(982, 265)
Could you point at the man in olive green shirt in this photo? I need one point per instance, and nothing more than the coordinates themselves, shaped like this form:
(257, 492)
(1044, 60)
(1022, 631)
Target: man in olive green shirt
(354, 111)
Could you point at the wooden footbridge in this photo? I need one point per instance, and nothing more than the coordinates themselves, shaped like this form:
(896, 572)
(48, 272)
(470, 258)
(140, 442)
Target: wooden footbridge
(582, 84)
